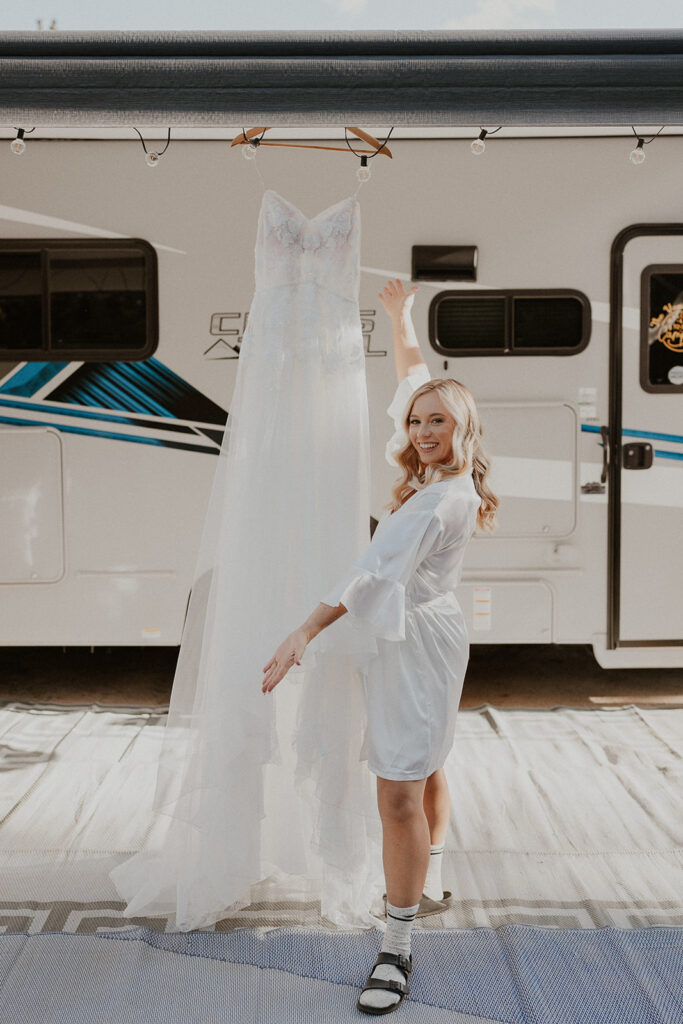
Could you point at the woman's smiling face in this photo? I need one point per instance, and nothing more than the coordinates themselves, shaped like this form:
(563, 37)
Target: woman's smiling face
(430, 429)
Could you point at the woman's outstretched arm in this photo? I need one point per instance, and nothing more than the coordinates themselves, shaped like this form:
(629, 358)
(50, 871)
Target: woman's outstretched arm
(292, 647)
(398, 303)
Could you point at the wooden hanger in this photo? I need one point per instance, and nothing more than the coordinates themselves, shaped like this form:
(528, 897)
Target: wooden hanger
(379, 148)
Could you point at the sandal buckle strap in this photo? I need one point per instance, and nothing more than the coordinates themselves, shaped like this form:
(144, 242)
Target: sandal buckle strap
(387, 986)
(396, 960)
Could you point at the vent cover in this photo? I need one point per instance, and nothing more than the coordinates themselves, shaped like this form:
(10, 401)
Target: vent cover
(444, 263)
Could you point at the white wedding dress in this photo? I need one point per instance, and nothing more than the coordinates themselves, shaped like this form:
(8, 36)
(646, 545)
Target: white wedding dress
(256, 786)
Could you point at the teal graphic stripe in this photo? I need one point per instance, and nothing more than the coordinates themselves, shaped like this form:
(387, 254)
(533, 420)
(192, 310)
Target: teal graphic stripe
(650, 434)
(61, 410)
(30, 378)
(133, 438)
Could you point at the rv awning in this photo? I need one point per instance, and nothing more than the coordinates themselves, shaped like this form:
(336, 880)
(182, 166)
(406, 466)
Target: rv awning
(309, 78)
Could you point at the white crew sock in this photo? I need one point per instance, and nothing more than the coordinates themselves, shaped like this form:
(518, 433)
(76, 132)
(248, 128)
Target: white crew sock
(396, 940)
(433, 885)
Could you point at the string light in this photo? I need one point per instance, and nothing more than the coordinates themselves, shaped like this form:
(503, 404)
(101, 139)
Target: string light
(250, 147)
(152, 157)
(364, 173)
(18, 145)
(637, 155)
(478, 146)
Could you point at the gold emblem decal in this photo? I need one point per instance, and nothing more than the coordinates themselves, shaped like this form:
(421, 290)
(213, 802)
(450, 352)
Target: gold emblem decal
(670, 324)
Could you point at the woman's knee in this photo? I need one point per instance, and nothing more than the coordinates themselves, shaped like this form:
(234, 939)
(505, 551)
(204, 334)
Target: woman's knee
(399, 801)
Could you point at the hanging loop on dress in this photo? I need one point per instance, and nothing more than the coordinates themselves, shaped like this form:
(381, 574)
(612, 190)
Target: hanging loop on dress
(251, 144)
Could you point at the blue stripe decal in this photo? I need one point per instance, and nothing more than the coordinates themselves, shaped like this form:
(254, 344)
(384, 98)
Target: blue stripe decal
(144, 386)
(135, 439)
(668, 455)
(31, 378)
(676, 438)
(61, 410)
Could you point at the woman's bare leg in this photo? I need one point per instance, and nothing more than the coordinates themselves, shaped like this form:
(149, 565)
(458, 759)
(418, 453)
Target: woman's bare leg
(437, 806)
(405, 839)
(405, 852)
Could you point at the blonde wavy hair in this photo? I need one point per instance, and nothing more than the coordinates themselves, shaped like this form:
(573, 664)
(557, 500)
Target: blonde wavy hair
(468, 451)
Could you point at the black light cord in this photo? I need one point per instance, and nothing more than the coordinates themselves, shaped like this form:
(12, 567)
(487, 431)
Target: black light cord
(256, 141)
(161, 152)
(642, 141)
(364, 157)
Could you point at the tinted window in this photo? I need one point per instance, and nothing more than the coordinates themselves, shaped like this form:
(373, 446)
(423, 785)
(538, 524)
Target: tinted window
(552, 322)
(661, 342)
(471, 323)
(76, 299)
(97, 303)
(509, 323)
(21, 301)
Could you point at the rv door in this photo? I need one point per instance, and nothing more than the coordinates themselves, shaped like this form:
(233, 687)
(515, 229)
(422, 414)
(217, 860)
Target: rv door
(647, 437)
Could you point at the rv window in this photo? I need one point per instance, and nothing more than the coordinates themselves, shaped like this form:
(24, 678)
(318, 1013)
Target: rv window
(79, 299)
(553, 322)
(523, 322)
(97, 303)
(20, 301)
(661, 334)
(471, 323)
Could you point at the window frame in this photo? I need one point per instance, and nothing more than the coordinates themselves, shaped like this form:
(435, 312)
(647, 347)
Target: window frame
(44, 247)
(509, 295)
(643, 360)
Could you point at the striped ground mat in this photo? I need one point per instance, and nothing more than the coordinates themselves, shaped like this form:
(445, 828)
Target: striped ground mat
(569, 818)
(517, 974)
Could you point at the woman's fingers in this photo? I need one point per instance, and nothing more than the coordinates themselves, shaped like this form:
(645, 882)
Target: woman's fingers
(289, 653)
(275, 673)
(272, 679)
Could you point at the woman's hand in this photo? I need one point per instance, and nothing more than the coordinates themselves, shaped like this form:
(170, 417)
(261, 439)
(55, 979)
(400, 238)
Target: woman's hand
(290, 652)
(396, 300)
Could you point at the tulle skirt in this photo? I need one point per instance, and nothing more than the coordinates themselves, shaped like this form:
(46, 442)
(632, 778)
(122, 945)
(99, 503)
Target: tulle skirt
(253, 786)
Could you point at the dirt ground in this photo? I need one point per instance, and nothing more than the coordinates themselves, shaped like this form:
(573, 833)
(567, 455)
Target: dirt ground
(504, 676)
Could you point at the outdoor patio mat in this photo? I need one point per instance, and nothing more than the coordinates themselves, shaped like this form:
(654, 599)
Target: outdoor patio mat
(517, 974)
(565, 817)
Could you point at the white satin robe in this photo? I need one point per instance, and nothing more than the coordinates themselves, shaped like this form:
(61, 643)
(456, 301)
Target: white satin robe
(402, 589)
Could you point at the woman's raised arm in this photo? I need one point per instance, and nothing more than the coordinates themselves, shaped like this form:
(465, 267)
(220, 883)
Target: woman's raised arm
(398, 303)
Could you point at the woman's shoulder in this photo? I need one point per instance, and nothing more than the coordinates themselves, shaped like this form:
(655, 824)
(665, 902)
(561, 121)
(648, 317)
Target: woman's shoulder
(453, 496)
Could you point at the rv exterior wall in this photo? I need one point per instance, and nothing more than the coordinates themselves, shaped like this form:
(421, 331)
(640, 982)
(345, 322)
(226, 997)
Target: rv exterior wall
(542, 214)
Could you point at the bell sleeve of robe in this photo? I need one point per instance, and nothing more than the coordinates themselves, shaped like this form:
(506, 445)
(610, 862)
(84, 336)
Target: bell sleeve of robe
(373, 589)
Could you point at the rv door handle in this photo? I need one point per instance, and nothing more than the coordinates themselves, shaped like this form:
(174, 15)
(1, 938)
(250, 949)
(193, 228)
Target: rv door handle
(636, 455)
(604, 434)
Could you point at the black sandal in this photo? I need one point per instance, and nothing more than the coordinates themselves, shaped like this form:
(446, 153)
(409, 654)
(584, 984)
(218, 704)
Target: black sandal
(404, 964)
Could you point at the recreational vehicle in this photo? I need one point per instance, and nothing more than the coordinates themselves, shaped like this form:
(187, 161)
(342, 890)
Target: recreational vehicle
(550, 265)
(550, 269)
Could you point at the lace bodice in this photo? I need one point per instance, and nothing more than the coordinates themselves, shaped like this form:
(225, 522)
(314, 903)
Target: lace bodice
(293, 249)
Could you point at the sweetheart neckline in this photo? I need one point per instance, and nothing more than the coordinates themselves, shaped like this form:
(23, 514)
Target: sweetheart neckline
(327, 209)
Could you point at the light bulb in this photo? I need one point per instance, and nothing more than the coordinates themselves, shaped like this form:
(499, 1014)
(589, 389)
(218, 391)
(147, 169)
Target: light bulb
(637, 155)
(478, 147)
(17, 146)
(249, 152)
(152, 159)
(363, 173)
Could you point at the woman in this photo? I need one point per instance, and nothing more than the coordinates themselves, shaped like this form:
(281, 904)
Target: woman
(402, 586)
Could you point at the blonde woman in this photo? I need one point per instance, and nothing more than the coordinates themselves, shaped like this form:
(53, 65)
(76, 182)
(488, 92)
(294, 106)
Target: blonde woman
(403, 587)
